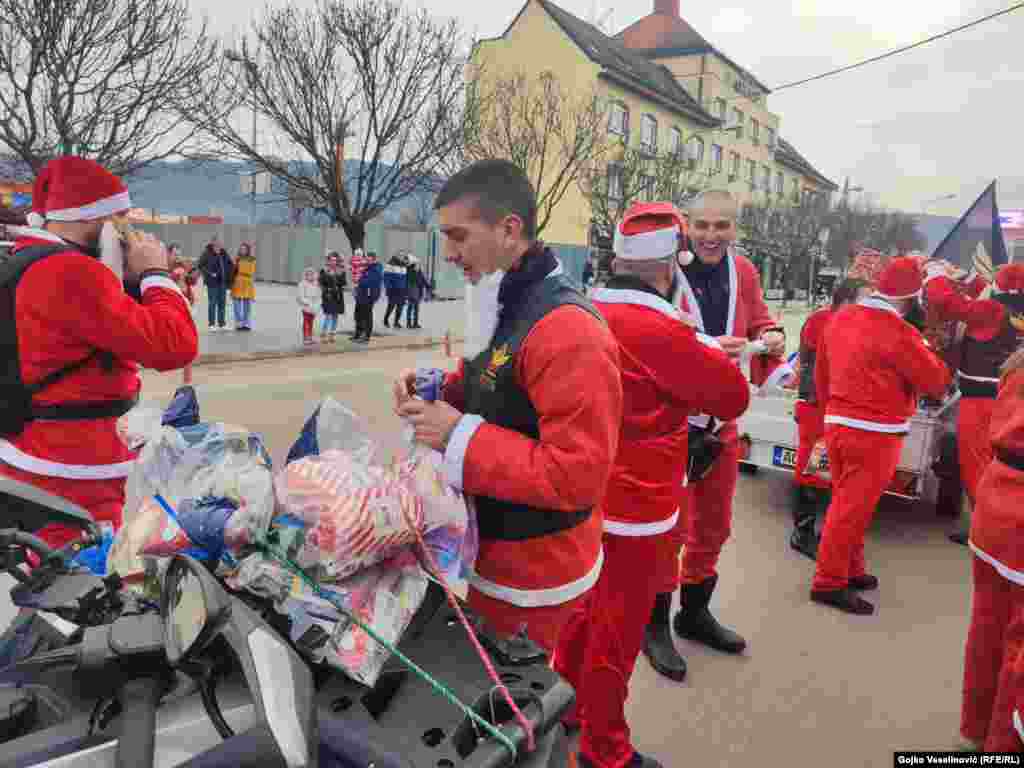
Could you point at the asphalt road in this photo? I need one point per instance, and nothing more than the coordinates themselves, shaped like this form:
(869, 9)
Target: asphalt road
(816, 687)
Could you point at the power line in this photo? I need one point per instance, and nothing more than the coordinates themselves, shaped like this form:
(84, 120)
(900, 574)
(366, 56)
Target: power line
(918, 44)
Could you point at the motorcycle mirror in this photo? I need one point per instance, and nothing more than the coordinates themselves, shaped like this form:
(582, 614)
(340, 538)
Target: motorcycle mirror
(196, 609)
(192, 605)
(30, 509)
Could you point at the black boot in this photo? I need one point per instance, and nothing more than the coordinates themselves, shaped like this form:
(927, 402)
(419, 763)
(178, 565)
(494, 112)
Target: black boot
(637, 761)
(658, 646)
(695, 622)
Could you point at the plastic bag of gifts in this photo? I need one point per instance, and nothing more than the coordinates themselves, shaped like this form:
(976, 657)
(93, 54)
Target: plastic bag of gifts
(205, 490)
(357, 508)
(385, 597)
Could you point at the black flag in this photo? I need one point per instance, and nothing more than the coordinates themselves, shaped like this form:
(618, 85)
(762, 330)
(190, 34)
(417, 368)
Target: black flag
(976, 243)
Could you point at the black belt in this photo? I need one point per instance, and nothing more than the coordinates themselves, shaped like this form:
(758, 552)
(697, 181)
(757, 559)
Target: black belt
(970, 388)
(84, 411)
(1010, 460)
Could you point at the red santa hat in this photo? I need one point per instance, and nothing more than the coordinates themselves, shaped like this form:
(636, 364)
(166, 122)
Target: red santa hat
(650, 232)
(1010, 278)
(75, 189)
(901, 279)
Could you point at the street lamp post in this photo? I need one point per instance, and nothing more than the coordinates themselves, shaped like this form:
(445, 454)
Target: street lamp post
(933, 201)
(252, 70)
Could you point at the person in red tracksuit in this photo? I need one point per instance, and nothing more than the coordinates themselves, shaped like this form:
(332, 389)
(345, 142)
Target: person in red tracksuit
(871, 369)
(989, 338)
(667, 374)
(993, 692)
(529, 422)
(810, 490)
(720, 290)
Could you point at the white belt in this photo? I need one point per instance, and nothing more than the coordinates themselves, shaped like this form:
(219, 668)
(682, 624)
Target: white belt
(1008, 573)
(983, 379)
(870, 426)
(11, 454)
(539, 598)
(619, 528)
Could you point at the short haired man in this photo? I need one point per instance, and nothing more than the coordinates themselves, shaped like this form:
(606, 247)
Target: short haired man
(529, 422)
(667, 375)
(721, 291)
(810, 491)
(871, 368)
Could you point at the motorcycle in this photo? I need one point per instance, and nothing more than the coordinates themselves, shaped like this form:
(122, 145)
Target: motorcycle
(126, 688)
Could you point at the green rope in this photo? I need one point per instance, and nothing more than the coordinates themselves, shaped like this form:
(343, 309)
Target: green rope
(438, 686)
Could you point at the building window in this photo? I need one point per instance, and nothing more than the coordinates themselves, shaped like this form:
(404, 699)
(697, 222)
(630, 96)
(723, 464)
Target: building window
(650, 189)
(720, 109)
(696, 151)
(677, 141)
(767, 178)
(618, 119)
(770, 138)
(737, 120)
(649, 133)
(752, 172)
(735, 168)
(755, 131)
(716, 158)
(796, 190)
(780, 183)
(614, 182)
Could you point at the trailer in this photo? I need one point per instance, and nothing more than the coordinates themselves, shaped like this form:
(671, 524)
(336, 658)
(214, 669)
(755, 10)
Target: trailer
(928, 470)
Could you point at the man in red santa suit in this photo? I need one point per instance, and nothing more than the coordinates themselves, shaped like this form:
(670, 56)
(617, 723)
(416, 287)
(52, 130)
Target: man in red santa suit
(72, 306)
(721, 291)
(994, 660)
(872, 366)
(667, 374)
(992, 330)
(529, 422)
(809, 489)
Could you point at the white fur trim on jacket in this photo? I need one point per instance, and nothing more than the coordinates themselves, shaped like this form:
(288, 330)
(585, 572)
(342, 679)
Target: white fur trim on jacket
(639, 298)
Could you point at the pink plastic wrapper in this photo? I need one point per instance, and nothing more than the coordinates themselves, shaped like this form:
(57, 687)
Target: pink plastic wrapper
(357, 515)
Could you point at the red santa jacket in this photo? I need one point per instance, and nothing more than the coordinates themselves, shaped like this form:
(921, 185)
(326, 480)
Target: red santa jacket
(748, 317)
(997, 522)
(568, 365)
(67, 306)
(810, 338)
(667, 374)
(872, 367)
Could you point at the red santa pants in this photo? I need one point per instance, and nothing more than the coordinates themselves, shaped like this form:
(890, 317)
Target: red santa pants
(993, 673)
(601, 642)
(810, 421)
(974, 445)
(103, 499)
(543, 624)
(705, 516)
(862, 464)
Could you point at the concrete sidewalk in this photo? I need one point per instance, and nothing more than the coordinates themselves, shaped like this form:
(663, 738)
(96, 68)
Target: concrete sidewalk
(277, 332)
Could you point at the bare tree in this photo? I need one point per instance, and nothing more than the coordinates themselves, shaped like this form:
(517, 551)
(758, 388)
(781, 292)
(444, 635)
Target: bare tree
(385, 79)
(106, 79)
(550, 133)
(630, 174)
(789, 235)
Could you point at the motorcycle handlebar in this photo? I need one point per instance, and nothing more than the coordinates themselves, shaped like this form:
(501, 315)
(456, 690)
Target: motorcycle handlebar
(137, 738)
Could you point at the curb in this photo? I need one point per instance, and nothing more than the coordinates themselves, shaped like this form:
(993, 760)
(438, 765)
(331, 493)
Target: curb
(220, 358)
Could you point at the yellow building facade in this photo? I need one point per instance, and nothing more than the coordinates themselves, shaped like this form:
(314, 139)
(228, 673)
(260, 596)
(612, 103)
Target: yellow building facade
(660, 94)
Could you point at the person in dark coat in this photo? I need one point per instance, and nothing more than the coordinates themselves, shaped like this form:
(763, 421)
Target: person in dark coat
(218, 273)
(416, 288)
(332, 288)
(395, 286)
(367, 294)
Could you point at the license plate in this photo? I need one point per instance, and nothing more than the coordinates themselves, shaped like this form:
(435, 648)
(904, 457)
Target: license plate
(784, 457)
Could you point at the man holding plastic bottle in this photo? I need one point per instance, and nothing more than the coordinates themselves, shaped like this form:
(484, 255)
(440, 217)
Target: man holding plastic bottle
(529, 422)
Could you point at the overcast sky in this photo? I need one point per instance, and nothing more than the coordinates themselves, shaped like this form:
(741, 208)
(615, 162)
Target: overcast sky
(943, 119)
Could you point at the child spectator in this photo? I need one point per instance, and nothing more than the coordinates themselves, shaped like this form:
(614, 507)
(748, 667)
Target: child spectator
(309, 300)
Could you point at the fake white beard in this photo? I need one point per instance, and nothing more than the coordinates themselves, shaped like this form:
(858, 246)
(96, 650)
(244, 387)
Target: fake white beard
(112, 250)
(481, 313)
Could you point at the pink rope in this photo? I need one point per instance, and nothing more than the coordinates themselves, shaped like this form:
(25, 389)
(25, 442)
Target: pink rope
(480, 650)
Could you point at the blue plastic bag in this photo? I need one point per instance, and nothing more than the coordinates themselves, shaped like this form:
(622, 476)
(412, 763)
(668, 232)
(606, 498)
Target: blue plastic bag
(95, 558)
(183, 410)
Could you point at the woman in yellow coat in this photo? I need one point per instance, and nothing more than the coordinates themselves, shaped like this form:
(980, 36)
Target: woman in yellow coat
(243, 289)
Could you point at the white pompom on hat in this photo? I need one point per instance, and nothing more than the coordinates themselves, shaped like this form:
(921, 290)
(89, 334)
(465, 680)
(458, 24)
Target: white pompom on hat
(75, 189)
